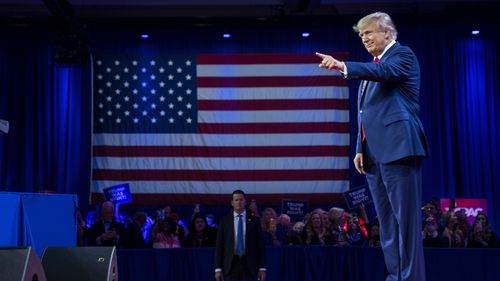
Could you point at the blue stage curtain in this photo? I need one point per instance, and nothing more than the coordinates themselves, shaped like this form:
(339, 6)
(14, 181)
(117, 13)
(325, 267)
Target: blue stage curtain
(460, 108)
(48, 107)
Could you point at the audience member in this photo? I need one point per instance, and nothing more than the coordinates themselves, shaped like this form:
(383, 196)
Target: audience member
(451, 231)
(286, 222)
(179, 229)
(200, 234)
(481, 235)
(272, 231)
(297, 234)
(315, 232)
(134, 237)
(364, 221)
(463, 224)
(82, 229)
(431, 208)
(253, 209)
(374, 240)
(430, 234)
(339, 218)
(106, 231)
(355, 235)
(164, 235)
(326, 220)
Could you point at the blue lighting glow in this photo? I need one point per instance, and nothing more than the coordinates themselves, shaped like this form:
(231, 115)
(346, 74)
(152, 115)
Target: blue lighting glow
(226, 35)
(144, 36)
(305, 34)
(475, 32)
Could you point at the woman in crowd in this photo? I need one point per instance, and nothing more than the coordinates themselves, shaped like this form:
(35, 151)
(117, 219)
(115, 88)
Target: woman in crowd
(481, 235)
(451, 231)
(462, 224)
(315, 231)
(164, 234)
(272, 231)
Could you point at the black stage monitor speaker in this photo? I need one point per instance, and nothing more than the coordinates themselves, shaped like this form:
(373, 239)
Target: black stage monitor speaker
(20, 264)
(80, 264)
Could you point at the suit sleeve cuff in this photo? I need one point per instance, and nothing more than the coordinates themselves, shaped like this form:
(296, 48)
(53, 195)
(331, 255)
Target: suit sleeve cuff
(262, 269)
(344, 72)
(218, 270)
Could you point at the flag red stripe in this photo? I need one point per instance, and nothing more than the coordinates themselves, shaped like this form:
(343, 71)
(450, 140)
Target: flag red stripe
(219, 175)
(279, 58)
(272, 128)
(273, 104)
(332, 199)
(220, 151)
(278, 81)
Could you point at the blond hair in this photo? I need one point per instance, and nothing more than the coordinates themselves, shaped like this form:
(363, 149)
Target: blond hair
(383, 20)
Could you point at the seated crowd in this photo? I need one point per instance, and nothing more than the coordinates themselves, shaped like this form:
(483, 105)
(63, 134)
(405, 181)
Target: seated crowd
(319, 227)
(452, 230)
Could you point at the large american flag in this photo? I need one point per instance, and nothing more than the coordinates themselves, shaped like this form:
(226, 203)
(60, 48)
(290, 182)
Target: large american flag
(191, 129)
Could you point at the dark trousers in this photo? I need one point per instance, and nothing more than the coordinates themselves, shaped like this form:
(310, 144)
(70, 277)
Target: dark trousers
(396, 190)
(239, 270)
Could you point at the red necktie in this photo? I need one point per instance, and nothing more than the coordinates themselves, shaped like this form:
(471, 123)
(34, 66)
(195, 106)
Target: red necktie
(363, 136)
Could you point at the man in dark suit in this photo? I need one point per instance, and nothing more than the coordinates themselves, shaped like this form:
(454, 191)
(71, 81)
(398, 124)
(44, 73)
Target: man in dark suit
(391, 141)
(107, 231)
(239, 247)
(133, 235)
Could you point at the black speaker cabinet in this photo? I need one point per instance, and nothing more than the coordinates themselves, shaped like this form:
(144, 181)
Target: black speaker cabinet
(80, 264)
(20, 264)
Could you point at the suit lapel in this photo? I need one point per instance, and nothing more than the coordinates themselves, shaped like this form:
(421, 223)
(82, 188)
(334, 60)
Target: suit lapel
(365, 83)
(232, 234)
(362, 91)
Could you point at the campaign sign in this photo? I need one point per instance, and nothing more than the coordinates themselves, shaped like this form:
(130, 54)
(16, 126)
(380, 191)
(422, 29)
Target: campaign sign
(471, 206)
(296, 209)
(357, 196)
(118, 193)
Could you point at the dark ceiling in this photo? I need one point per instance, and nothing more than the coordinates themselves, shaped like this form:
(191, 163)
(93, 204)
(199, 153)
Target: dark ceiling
(113, 12)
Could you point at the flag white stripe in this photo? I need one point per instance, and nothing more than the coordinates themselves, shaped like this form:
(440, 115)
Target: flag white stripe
(223, 187)
(260, 70)
(288, 93)
(221, 163)
(273, 116)
(232, 140)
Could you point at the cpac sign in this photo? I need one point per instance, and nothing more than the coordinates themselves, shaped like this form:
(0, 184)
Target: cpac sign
(471, 206)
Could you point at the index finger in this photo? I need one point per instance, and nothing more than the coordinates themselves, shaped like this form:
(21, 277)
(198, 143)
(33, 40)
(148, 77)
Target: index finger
(321, 55)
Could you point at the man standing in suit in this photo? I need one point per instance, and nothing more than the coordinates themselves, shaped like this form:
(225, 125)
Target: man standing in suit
(239, 248)
(391, 141)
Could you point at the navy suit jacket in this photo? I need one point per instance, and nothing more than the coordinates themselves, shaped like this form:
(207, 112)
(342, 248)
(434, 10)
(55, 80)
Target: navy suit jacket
(388, 105)
(254, 244)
